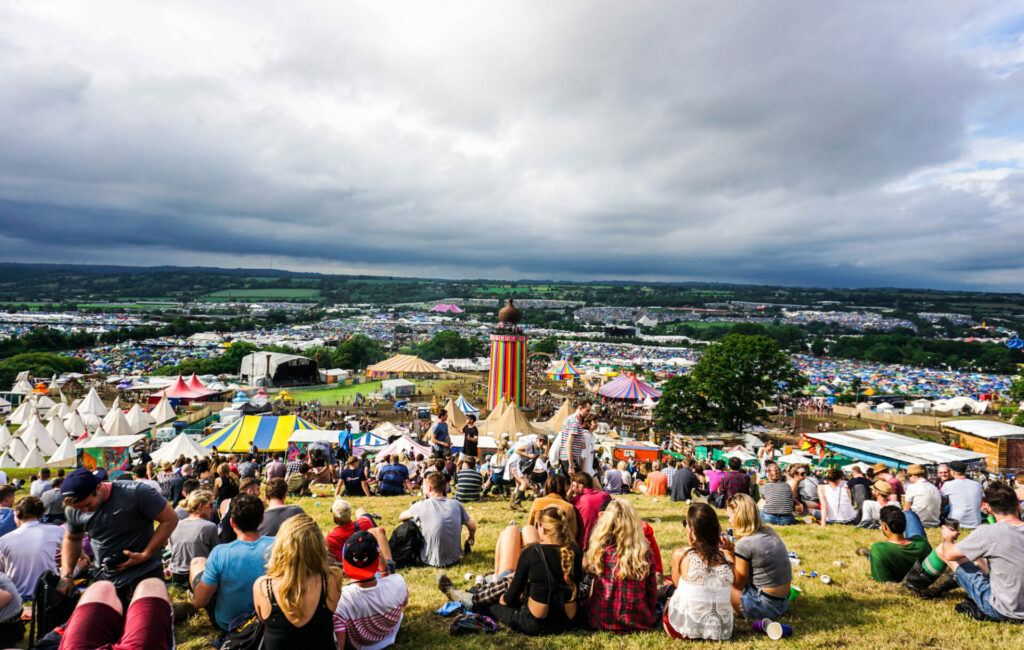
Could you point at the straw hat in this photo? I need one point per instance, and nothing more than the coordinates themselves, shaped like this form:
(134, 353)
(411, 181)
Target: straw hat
(916, 470)
(880, 467)
(882, 487)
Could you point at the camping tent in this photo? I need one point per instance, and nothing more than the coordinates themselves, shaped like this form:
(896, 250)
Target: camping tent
(513, 422)
(75, 425)
(403, 364)
(7, 461)
(163, 412)
(182, 445)
(269, 433)
(17, 449)
(405, 445)
(65, 456)
(25, 412)
(387, 430)
(465, 406)
(138, 419)
(5, 436)
(628, 386)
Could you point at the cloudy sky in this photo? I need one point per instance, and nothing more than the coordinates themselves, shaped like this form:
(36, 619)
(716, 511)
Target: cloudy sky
(843, 144)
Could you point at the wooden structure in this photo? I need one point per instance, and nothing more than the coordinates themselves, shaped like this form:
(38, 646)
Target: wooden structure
(1002, 443)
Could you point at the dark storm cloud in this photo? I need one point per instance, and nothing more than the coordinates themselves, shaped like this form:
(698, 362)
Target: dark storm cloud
(783, 143)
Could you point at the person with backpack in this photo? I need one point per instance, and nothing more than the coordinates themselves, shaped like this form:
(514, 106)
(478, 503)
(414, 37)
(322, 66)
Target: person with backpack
(393, 478)
(440, 520)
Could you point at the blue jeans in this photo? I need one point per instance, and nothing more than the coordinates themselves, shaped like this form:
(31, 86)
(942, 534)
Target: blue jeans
(757, 604)
(976, 584)
(777, 520)
(914, 526)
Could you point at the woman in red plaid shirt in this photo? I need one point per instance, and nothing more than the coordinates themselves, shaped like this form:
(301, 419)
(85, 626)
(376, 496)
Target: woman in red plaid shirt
(625, 592)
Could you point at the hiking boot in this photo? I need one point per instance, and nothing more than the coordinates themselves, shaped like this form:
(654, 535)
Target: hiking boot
(940, 588)
(517, 498)
(864, 551)
(917, 580)
(447, 587)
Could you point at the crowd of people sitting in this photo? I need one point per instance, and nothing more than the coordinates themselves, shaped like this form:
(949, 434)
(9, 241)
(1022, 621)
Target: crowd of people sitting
(222, 530)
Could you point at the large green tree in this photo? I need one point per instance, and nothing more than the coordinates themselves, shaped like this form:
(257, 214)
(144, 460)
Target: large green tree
(40, 365)
(729, 385)
(358, 352)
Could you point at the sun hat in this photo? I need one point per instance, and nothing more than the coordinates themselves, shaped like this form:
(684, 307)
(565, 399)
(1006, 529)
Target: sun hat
(917, 470)
(882, 487)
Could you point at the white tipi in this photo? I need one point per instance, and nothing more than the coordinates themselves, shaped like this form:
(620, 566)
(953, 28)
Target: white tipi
(76, 426)
(25, 412)
(138, 419)
(115, 424)
(7, 462)
(65, 456)
(163, 411)
(34, 434)
(92, 404)
(17, 449)
(34, 458)
(58, 432)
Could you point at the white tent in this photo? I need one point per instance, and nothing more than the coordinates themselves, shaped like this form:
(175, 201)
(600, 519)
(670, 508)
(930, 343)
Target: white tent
(34, 458)
(863, 467)
(58, 432)
(92, 404)
(91, 420)
(76, 426)
(138, 419)
(25, 412)
(5, 436)
(43, 403)
(5, 406)
(22, 387)
(790, 459)
(34, 434)
(182, 445)
(385, 430)
(404, 445)
(117, 403)
(7, 462)
(65, 456)
(115, 424)
(99, 441)
(163, 412)
(17, 449)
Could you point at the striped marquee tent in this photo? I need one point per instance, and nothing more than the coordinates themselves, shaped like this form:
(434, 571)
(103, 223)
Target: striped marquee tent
(627, 386)
(465, 406)
(403, 364)
(563, 370)
(270, 433)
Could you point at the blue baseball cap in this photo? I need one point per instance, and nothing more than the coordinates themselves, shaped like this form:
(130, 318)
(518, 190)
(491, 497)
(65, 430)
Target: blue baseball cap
(79, 484)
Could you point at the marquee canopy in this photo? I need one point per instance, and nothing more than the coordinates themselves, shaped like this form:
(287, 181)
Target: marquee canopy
(465, 406)
(627, 386)
(269, 433)
(562, 370)
(404, 364)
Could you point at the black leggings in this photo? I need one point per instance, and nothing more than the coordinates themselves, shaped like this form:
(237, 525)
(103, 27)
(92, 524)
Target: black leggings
(521, 619)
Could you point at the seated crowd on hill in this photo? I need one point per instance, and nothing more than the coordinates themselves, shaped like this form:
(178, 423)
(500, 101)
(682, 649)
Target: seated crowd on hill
(222, 530)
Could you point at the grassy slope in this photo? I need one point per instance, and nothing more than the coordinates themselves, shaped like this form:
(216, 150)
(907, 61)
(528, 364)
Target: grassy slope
(852, 612)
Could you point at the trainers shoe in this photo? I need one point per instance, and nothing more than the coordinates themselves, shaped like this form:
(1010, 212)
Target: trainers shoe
(447, 587)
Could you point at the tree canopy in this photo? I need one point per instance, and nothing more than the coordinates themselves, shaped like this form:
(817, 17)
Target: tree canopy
(728, 386)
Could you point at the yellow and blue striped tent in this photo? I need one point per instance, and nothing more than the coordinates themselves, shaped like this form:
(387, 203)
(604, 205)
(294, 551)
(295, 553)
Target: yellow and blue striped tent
(270, 433)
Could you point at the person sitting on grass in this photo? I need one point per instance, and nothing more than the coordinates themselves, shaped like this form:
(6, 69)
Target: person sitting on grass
(371, 607)
(100, 620)
(277, 511)
(987, 564)
(871, 509)
(657, 482)
(836, 502)
(556, 488)
(353, 481)
(195, 536)
(588, 503)
(345, 527)
(905, 544)
(440, 519)
(761, 567)
(468, 482)
(392, 478)
(700, 607)
(778, 502)
(624, 597)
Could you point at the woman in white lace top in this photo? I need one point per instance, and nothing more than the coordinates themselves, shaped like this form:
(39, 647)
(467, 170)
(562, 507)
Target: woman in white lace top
(702, 573)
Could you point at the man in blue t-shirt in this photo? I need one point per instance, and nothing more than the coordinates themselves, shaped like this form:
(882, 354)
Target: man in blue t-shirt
(223, 582)
(393, 478)
(7, 523)
(440, 440)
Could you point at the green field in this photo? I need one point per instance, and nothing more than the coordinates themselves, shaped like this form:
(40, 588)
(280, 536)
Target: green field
(330, 395)
(227, 295)
(853, 612)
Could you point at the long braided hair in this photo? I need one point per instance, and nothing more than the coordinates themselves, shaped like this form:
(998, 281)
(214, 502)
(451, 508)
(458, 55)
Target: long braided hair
(556, 528)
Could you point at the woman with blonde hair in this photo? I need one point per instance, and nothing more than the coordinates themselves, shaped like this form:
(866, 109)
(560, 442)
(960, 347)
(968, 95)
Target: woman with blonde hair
(297, 596)
(761, 568)
(624, 597)
(544, 576)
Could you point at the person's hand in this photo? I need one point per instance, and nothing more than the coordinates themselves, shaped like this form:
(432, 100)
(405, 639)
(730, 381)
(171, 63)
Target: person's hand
(65, 585)
(823, 522)
(949, 534)
(134, 559)
(726, 544)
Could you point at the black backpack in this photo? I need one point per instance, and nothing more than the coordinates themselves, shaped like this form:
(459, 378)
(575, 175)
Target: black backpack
(406, 543)
(50, 608)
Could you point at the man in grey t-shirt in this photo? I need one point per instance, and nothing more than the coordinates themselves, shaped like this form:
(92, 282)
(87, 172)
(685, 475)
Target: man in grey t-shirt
(987, 564)
(441, 521)
(964, 496)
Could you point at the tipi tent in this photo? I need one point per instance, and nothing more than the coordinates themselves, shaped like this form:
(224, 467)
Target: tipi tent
(513, 422)
(555, 421)
(163, 411)
(76, 426)
(35, 435)
(17, 449)
(5, 436)
(34, 458)
(499, 408)
(180, 446)
(25, 412)
(7, 461)
(65, 456)
(115, 424)
(456, 418)
(22, 387)
(57, 430)
(92, 405)
(138, 419)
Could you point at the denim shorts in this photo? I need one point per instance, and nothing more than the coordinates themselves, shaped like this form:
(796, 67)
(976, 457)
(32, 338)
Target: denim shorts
(758, 604)
(976, 584)
(778, 520)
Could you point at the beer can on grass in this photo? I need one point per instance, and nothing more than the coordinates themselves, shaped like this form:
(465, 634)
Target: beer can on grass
(795, 561)
(778, 631)
(826, 580)
(813, 574)
(839, 563)
(794, 592)
(762, 625)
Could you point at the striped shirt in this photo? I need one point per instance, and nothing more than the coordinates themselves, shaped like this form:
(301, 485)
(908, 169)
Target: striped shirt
(571, 426)
(370, 616)
(778, 498)
(468, 485)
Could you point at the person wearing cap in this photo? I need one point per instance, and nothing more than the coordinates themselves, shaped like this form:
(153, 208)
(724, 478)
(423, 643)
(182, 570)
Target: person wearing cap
(905, 544)
(922, 497)
(871, 509)
(119, 517)
(883, 472)
(371, 607)
(963, 496)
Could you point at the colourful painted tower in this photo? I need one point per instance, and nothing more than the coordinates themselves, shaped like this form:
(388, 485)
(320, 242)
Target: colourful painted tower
(508, 359)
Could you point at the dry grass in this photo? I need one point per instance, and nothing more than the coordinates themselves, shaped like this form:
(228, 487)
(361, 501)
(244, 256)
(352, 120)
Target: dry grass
(853, 612)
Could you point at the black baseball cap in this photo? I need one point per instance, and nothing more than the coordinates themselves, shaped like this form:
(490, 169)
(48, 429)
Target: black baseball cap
(79, 484)
(361, 556)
